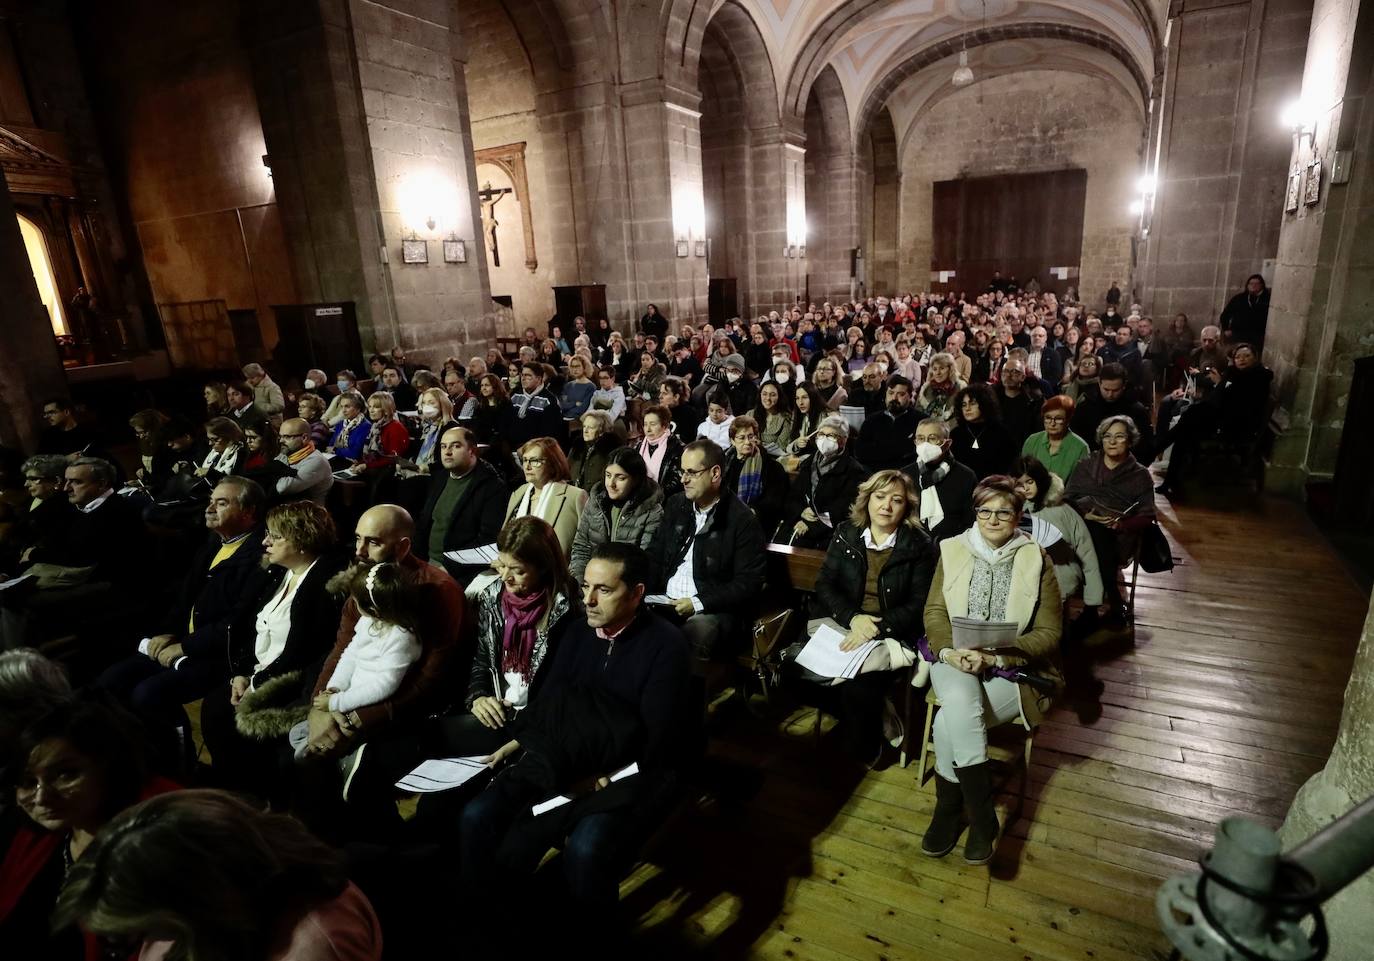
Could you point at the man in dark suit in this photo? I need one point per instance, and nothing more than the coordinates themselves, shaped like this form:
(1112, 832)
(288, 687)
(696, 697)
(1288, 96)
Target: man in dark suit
(885, 438)
(464, 508)
(1043, 361)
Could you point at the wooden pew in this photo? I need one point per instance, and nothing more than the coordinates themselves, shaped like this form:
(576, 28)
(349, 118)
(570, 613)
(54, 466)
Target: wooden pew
(791, 577)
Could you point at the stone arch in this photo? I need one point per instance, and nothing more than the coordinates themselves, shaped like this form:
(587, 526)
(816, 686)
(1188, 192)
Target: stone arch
(831, 190)
(830, 33)
(743, 155)
(880, 92)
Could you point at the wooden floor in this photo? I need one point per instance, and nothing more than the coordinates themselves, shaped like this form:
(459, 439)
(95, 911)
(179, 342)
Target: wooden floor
(1228, 701)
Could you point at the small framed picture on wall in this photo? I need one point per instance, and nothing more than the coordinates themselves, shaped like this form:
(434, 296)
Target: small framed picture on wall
(1312, 185)
(1294, 195)
(455, 252)
(414, 252)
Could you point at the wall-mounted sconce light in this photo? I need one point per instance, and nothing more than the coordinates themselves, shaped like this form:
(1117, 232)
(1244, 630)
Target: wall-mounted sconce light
(1298, 117)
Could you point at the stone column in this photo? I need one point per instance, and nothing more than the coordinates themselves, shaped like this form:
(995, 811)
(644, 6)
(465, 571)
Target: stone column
(1320, 319)
(364, 109)
(1347, 779)
(1220, 153)
(33, 369)
(777, 210)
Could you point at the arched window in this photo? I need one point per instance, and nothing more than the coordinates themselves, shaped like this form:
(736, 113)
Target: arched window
(41, 264)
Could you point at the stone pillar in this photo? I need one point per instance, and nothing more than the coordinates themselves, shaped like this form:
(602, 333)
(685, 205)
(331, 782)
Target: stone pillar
(777, 218)
(1347, 779)
(1219, 151)
(364, 108)
(33, 369)
(1320, 316)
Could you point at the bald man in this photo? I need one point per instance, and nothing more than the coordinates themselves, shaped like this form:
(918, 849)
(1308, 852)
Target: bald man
(385, 533)
(307, 473)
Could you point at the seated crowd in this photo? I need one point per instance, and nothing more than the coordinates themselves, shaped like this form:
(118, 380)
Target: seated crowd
(556, 559)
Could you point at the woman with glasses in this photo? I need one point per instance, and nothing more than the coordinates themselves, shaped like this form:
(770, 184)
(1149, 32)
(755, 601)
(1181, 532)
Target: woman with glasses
(288, 626)
(1057, 447)
(1116, 496)
(756, 478)
(992, 572)
(547, 493)
(873, 585)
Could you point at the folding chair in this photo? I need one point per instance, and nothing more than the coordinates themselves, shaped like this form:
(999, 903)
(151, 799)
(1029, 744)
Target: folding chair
(1000, 747)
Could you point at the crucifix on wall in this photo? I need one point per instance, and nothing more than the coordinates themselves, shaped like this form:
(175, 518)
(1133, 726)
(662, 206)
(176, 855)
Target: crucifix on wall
(490, 196)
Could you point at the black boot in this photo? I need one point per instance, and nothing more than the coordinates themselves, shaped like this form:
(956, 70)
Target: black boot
(976, 784)
(947, 823)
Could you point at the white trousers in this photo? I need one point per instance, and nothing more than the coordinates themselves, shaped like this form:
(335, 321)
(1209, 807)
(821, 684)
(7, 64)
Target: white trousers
(969, 706)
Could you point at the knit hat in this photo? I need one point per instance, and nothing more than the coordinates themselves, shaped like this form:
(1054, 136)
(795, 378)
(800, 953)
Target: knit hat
(735, 361)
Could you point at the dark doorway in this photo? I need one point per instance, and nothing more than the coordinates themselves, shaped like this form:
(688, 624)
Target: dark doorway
(722, 300)
(1023, 225)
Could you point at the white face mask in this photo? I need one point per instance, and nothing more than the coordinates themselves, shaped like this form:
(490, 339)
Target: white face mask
(733, 375)
(827, 445)
(429, 410)
(927, 453)
(309, 384)
(782, 378)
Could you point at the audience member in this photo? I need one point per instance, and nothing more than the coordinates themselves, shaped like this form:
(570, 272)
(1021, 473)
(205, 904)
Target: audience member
(1115, 495)
(402, 394)
(534, 411)
(661, 448)
(387, 437)
(870, 394)
(1246, 315)
(873, 585)
(719, 417)
(991, 572)
(979, 441)
(708, 554)
(936, 397)
(267, 396)
(626, 506)
(310, 409)
(1114, 400)
(1061, 531)
(243, 408)
(548, 492)
(1057, 447)
(609, 396)
(352, 430)
(945, 485)
(754, 477)
(63, 434)
(464, 506)
(263, 887)
(885, 438)
(1019, 400)
(674, 394)
(593, 443)
(826, 482)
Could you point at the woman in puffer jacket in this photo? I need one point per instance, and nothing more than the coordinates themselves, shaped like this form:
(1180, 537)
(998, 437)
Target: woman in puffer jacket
(626, 507)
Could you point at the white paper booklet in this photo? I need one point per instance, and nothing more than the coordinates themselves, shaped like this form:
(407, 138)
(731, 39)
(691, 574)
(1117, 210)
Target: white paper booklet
(822, 654)
(441, 774)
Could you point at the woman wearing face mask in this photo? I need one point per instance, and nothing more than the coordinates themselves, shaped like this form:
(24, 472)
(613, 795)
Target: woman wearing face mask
(79, 765)
(547, 492)
(436, 416)
(824, 485)
(661, 449)
(594, 442)
(346, 382)
(1116, 496)
(991, 572)
(626, 507)
(936, 396)
(757, 479)
(945, 485)
(777, 417)
(350, 434)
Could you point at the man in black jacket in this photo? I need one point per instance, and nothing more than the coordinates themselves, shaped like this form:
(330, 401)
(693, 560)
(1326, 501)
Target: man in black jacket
(534, 411)
(190, 655)
(1110, 401)
(945, 485)
(708, 553)
(885, 439)
(465, 506)
(1247, 315)
(1020, 400)
(615, 695)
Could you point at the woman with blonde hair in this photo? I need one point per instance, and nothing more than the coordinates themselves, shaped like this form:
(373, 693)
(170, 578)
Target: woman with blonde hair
(991, 572)
(436, 416)
(547, 492)
(936, 396)
(594, 442)
(872, 587)
(202, 876)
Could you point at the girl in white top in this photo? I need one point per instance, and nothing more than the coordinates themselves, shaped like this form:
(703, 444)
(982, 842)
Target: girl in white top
(383, 648)
(716, 426)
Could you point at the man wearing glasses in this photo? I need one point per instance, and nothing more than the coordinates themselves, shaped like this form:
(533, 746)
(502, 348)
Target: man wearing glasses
(708, 554)
(308, 476)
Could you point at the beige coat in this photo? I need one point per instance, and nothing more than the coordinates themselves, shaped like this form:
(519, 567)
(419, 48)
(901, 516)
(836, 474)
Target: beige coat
(562, 509)
(1034, 604)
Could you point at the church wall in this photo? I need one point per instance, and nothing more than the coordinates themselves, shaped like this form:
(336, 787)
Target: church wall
(174, 89)
(1038, 120)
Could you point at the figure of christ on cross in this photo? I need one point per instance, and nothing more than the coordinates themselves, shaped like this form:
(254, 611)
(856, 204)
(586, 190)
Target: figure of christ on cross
(490, 196)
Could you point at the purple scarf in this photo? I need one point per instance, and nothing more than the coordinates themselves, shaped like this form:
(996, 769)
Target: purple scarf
(518, 633)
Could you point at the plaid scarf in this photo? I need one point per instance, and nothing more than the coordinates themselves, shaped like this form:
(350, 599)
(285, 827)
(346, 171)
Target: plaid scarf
(750, 484)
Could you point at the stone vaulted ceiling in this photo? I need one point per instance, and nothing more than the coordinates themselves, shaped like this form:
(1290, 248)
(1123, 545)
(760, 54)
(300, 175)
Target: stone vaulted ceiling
(900, 53)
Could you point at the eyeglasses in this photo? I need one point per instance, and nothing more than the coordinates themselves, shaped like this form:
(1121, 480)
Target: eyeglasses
(293, 436)
(273, 538)
(1051, 419)
(688, 474)
(533, 461)
(1001, 513)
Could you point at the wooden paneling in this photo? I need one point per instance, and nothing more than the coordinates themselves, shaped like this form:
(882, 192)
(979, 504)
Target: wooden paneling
(1225, 703)
(1020, 224)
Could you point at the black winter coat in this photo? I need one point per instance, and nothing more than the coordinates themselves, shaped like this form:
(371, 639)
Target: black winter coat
(217, 597)
(902, 585)
(834, 494)
(727, 557)
(314, 623)
(476, 522)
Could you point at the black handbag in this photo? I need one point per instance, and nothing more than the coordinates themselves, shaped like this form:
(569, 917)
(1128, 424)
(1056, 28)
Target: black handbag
(1155, 556)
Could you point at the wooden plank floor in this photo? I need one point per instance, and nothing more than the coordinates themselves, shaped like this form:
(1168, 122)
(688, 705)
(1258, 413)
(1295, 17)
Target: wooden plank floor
(1227, 702)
